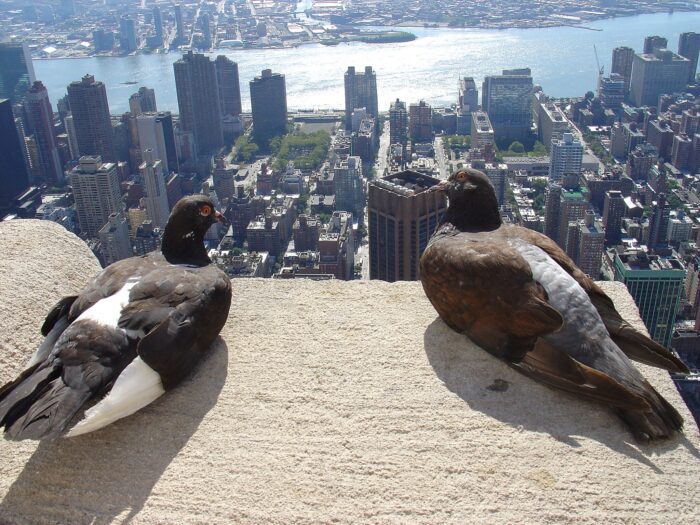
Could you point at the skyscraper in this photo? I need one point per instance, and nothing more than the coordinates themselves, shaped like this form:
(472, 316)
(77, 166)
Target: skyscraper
(613, 211)
(349, 193)
(652, 43)
(268, 100)
(156, 197)
(205, 27)
(468, 95)
(552, 204)
(72, 136)
(158, 23)
(655, 283)
(507, 99)
(114, 237)
(622, 64)
(655, 74)
(398, 125)
(198, 100)
(689, 47)
(155, 131)
(552, 124)
(402, 217)
(16, 71)
(144, 100)
(572, 208)
(482, 131)
(128, 38)
(93, 127)
(611, 91)
(102, 40)
(658, 223)
(179, 24)
(229, 86)
(566, 157)
(96, 192)
(14, 178)
(420, 122)
(591, 241)
(360, 92)
(40, 124)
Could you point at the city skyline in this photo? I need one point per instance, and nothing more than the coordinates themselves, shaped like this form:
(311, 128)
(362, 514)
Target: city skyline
(168, 153)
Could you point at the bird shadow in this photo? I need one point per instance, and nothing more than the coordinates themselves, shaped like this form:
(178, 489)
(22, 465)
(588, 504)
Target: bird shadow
(99, 477)
(491, 387)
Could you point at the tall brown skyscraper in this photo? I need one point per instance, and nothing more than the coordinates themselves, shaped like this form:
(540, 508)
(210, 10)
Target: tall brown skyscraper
(40, 124)
(360, 92)
(198, 100)
(651, 43)
(229, 86)
(622, 58)
(420, 122)
(93, 127)
(402, 217)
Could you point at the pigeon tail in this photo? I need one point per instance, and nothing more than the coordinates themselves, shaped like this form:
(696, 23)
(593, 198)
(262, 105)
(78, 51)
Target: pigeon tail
(38, 404)
(661, 422)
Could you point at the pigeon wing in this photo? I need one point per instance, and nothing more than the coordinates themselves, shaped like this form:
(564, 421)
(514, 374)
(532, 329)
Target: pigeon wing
(632, 342)
(181, 315)
(486, 290)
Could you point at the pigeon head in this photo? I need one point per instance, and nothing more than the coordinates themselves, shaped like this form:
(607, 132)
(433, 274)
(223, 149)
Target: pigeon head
(183, 239)
(472, 201)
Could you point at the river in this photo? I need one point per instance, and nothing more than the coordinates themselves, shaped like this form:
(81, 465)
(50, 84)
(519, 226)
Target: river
(561, 58)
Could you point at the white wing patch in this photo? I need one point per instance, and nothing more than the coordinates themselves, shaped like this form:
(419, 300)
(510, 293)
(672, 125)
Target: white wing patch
(107, 311)
(137, 386)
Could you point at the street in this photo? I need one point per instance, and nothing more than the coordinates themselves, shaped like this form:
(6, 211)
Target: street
(440, 159)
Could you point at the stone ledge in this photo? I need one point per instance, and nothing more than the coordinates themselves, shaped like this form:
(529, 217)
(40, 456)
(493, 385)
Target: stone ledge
(331, 402)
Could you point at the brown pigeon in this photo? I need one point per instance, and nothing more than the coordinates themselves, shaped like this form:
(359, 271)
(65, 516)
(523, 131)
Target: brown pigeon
(133, 333)
(517, 295)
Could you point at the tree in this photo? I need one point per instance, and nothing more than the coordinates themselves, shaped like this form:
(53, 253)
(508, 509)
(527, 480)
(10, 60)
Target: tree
(539, 149)
(245, 150)
(517, 147)
(362, 231)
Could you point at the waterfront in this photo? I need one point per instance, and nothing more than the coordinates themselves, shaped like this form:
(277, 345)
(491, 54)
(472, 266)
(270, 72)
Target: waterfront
(561, 58)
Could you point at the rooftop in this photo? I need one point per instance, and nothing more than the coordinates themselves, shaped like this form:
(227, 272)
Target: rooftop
(374, 412)
(636, 259)
(406, 183)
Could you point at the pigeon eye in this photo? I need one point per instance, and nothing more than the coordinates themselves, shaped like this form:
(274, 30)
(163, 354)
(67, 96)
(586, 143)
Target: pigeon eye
(461, 176)
(205, 210)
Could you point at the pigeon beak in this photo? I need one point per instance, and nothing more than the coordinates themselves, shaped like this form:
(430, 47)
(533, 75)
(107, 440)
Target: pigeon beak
(220, 217)
(441, 186)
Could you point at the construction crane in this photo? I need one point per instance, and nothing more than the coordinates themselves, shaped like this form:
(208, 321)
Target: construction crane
(600, 69)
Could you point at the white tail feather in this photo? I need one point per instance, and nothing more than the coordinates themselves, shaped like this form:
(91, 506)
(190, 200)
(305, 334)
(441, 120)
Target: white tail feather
(137, 386)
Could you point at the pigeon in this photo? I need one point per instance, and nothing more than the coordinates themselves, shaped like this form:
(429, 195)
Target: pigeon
(136, 331)
(517, 295)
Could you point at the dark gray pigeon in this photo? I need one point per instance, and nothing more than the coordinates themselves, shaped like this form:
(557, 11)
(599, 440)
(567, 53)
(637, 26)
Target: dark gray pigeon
(133, 333)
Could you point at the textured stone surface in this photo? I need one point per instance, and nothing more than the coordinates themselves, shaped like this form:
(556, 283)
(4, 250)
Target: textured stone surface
(331, 402)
